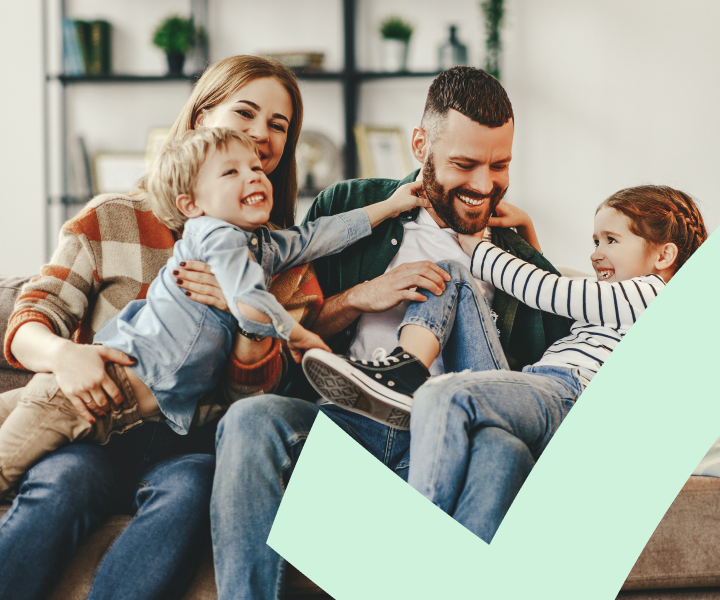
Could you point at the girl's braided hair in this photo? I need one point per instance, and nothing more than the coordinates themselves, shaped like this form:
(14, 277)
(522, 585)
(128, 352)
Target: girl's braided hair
(661, 214)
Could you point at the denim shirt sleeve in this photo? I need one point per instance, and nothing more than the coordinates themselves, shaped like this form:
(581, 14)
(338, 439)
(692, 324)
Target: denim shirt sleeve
(327, 235)
(225, 250)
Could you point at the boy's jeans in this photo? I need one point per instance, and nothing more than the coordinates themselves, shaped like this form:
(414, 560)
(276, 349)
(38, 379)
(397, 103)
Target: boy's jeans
(450, 411)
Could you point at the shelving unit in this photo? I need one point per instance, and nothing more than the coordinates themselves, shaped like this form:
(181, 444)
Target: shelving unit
(349, 77)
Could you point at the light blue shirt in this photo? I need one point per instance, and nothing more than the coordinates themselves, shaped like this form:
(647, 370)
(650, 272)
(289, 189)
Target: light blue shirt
(181, 346)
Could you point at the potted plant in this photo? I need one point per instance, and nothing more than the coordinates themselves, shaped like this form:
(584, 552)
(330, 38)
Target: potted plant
(396, 38)
(176, 36)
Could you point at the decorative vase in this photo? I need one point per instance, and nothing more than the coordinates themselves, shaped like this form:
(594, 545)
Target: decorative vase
(394, 54)
(452, 53)
(175, 61)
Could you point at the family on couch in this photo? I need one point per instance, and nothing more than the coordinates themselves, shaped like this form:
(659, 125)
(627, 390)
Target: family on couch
(474, 437)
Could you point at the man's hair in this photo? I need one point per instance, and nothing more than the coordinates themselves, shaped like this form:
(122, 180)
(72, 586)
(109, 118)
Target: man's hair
(471, 92)
(175, 170)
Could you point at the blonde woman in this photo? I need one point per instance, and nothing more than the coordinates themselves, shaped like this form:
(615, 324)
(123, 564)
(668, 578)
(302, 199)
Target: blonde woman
(107, 256)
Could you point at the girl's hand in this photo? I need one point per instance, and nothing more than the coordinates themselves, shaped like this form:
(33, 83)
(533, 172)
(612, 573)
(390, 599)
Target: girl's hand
(469, 242)
(80, 373)
(302, 339)
(196, 278)
(509, 215)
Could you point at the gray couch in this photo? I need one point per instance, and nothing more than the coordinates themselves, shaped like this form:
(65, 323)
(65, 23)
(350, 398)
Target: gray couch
(680, 562)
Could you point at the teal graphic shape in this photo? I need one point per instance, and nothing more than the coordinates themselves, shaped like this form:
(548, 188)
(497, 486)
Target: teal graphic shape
(585, 512)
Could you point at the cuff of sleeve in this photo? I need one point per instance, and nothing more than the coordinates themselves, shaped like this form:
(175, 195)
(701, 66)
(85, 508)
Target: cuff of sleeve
(260, 372)
(357, 224)
(16, 321)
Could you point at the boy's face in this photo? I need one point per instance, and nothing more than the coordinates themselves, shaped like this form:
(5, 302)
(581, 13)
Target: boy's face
(231, 186)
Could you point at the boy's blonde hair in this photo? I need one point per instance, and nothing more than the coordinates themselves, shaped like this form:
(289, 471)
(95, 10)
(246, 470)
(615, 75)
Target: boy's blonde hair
(175, 170)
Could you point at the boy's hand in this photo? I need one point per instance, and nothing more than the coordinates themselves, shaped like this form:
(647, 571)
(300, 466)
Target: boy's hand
(302, 339)
(407, 197)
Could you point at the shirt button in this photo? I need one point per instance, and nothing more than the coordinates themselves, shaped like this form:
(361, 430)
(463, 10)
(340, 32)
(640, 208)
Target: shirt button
(393, 242)
(253, 241)
(280, 328)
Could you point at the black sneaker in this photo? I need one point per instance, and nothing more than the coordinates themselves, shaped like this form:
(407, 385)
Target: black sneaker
(380, 388)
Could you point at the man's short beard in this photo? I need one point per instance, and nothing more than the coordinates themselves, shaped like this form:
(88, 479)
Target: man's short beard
(443, 202)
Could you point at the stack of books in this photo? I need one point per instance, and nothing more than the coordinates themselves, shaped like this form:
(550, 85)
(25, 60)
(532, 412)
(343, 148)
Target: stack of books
(86, 47)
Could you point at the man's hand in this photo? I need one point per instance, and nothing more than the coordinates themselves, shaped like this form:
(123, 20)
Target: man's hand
(80, 373)
(389, 290)
(302, 339)
(196, 278)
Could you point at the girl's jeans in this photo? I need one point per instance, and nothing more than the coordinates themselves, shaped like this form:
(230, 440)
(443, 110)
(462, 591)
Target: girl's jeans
(451, 412)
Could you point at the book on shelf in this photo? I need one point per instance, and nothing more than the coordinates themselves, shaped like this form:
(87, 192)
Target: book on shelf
(73, 63)
(99, 52)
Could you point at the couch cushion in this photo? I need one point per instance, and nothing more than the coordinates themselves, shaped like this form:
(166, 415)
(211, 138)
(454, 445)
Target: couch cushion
(684, 550)
(9, 290)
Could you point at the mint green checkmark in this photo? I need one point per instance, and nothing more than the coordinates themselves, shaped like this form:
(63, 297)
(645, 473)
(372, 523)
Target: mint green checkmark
(582, 517)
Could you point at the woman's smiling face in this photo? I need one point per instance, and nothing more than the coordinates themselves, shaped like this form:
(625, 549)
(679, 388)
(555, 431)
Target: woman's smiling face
(262, 109)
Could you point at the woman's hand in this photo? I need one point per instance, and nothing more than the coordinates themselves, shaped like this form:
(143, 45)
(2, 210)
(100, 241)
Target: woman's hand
(302, 339)
(509, 215)
(196, 278)
(80, 373)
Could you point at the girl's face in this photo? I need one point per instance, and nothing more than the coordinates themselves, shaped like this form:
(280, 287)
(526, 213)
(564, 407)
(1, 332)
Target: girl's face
(619, 253)
(262, 109)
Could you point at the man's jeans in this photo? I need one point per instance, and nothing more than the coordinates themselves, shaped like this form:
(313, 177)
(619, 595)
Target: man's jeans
(63, 498)
(258, 444)
(452, 413)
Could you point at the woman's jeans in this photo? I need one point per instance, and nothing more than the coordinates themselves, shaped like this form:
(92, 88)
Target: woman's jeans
(450, 413)
(161, 478)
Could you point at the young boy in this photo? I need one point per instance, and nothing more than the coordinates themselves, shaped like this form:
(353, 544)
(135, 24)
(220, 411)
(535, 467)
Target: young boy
(210, 185)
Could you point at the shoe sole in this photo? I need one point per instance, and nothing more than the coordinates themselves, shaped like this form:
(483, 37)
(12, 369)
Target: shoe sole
(338, 383)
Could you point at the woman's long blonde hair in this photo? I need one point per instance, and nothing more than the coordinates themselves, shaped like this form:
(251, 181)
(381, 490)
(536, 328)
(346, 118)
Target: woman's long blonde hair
(217, 83)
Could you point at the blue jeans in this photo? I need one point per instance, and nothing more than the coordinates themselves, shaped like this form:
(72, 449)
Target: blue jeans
(456, 418)
(258, 444)
(69, 493)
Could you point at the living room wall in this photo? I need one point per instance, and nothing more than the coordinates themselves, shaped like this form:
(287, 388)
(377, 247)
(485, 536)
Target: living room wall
(606, 95)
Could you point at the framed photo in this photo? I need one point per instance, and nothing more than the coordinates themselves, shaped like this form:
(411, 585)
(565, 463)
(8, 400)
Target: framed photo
(117, 172)
(155, 140)
(382, 151)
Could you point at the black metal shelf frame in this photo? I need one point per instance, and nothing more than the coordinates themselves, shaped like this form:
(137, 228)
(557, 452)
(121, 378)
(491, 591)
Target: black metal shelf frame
(350, 77)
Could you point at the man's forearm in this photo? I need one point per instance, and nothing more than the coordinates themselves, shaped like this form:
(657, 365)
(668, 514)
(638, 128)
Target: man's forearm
(336, 314)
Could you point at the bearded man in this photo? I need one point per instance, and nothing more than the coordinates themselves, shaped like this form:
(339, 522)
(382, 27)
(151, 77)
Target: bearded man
(464, 143)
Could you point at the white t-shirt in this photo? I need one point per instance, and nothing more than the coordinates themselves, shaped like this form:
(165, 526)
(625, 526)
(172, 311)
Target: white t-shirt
(423, 239)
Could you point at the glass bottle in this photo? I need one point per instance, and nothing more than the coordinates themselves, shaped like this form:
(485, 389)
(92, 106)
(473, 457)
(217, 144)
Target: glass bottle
(452, 53)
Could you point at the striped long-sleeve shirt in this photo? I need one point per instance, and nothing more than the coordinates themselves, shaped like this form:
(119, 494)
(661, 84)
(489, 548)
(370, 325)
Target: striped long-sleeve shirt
(603, 311)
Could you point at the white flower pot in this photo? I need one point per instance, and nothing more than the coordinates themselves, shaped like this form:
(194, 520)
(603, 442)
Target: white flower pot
(394, 55)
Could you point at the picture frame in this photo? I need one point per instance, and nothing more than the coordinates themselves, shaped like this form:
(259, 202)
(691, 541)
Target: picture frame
(117, 171)
(382, 152)
(156, 138)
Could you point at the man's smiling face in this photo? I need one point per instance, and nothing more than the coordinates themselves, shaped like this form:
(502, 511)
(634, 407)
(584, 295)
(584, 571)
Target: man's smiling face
(466, 171)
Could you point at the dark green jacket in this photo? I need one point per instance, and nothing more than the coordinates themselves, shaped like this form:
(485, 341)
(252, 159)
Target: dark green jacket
(525, 333)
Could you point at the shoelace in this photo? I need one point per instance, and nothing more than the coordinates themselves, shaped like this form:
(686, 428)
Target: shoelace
(381, 356)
